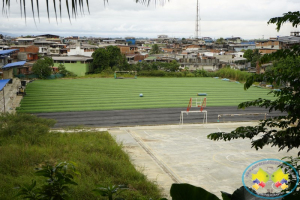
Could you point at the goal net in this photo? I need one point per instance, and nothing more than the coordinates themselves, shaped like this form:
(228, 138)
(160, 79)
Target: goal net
(125, 74)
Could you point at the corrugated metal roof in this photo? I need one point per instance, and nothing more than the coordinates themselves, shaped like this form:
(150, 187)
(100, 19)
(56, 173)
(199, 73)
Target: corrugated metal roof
(26, 39)
(72, 58)
(15, 64)
(6, 52)
(3, 83)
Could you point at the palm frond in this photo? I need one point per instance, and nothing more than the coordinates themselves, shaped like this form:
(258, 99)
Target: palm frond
(76, 6)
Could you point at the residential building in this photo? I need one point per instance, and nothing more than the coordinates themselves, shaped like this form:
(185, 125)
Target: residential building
(4, 47)
(81, 49)
(268, 46)
(25, 41)
(131, 49)
(48, 36)
(233, 40)
(274, 44)
(240, 47)
(26, 52)
(130, 40)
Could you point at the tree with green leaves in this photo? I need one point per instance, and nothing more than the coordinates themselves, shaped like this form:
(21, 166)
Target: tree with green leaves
(109, 58)
(287, 101)
(220, 41)
(42, 67)
(155, 49)
(252, 56)
(282, 131)
(100, 60)
(115, 56)
(173, 66)
(285, 129)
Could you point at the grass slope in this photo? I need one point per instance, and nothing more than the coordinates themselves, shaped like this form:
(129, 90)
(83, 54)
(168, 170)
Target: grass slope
(112, 94)
(100, 161)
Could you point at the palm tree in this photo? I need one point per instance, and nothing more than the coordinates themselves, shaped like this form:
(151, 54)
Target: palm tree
(76, 6)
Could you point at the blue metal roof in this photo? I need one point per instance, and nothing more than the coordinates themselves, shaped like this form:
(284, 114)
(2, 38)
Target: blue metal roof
(6, 52)
(15, 64)
(3, 83)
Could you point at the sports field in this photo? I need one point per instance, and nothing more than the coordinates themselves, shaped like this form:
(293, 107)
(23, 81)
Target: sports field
(62, 95)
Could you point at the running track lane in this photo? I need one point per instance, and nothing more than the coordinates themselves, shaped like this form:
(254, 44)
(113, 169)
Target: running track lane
(157, 116)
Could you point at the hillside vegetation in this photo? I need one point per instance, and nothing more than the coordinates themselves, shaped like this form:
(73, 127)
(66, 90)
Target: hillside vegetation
(26, 144)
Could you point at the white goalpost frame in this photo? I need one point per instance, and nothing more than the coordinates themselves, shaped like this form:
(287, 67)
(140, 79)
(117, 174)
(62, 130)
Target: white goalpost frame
(187, 112)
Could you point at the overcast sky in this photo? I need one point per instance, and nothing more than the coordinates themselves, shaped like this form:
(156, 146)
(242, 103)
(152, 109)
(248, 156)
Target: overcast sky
(176, 18)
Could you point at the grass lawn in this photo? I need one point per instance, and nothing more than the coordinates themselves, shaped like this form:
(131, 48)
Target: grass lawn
(112, 94)
(100, 161)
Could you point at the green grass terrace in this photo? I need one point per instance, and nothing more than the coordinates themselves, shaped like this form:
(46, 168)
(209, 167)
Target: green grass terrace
(62, 95)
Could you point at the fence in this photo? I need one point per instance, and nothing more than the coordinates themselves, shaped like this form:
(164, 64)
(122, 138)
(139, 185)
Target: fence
(31, 76)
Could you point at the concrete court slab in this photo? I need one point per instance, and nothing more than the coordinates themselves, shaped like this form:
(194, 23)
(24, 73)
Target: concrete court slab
(182, 153)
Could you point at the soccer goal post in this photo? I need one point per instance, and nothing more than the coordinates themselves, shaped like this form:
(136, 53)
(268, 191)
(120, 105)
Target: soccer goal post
(125, 74)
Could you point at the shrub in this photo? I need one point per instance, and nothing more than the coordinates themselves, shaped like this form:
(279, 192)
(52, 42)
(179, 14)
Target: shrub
(30, 127)
(233, 74)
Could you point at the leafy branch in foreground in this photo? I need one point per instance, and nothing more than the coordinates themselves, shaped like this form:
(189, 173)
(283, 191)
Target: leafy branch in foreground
(282, 131)
(293, 17)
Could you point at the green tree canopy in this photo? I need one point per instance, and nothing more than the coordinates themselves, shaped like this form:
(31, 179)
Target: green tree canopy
(220, 41)
(248, 54)
(109, 58)
(100, 60)
(115, 56)
(172, 66)
(285, 129)
(252, 56)
(155, 49)
(42, 67)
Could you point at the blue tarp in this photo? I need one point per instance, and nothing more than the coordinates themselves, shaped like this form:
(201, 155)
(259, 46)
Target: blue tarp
(15, 64)
(3, 83)
(7, 52)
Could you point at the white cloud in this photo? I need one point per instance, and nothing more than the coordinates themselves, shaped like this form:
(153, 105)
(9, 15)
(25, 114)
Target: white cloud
(176, 18)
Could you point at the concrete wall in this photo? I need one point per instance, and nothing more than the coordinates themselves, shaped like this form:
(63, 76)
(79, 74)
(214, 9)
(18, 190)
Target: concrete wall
(77, 68)
(22, 56)
(245, 48)
(268, 45)
(79, 51)
(8, 74)
(193, 67)
(225, 58)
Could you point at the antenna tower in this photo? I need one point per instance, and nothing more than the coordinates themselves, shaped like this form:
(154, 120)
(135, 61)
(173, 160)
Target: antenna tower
(197, 26)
